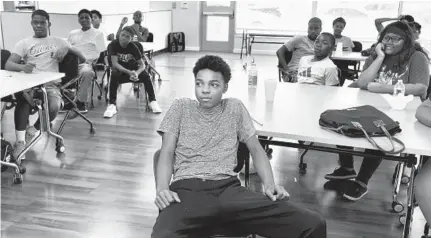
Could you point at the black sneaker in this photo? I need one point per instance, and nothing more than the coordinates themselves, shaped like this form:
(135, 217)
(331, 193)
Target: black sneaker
(81, 107)
(67, 106)
(341, 173)
(355, 191)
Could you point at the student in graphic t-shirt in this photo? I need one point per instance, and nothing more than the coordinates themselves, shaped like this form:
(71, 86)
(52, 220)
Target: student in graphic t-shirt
(318, 68)
(91, 43)
(41, 53)
(290, 53)
(127, 67)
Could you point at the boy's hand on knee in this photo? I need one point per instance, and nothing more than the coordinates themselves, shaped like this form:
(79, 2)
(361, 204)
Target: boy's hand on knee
(276, 193)
(165, 198)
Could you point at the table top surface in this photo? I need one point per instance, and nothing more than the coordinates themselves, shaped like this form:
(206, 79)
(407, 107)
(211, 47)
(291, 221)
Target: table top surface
(13, 82)
(348, 55)
(296, 110)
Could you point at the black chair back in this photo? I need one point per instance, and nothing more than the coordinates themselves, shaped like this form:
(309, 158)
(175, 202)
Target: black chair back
(150, 37)
(357, 46)
(5, 54)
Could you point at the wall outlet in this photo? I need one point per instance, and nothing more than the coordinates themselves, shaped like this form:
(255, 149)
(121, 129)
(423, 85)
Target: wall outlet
(184, 5)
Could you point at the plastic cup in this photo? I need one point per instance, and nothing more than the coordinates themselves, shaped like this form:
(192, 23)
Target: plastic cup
(270, 87)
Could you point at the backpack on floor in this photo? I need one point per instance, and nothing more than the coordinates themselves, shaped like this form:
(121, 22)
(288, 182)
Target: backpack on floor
(176, 42)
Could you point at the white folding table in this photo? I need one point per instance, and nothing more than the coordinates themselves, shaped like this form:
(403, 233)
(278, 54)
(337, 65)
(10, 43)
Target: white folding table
(13, 82)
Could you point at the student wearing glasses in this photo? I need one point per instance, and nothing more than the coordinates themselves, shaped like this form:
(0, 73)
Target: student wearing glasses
(395, 53)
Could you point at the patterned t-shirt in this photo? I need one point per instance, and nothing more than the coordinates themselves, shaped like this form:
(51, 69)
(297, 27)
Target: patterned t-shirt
(207, 139)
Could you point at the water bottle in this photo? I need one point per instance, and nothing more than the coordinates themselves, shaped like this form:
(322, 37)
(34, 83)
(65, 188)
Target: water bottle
(339, 49)
(399, 88)
(252, 74)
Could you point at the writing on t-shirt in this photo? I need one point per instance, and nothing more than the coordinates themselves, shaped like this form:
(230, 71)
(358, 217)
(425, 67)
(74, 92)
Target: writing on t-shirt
(305, 73)
(125, 57)
(38, 50)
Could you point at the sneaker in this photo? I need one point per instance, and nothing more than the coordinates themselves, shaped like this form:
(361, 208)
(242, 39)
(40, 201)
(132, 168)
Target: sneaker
(341, 173)
(30, 133)
(81, 107)
(67, 106)
(355, 191)
(155, 107)
(18, 148)
(111, 110)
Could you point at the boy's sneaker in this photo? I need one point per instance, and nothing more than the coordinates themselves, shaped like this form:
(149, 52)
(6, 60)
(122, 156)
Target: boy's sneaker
(18, 148)
(341, 173)
(111, 110)
(82, 108)
(30, 133)
(155, 107)
(355, 191)
(67, 106)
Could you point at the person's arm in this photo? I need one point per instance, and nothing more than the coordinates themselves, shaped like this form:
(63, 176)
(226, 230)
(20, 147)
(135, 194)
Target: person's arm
(141, 67)
(331, 77)
(379, 22)
(423, 114)
(78, 53)
(369, 74)
(142, 37)
(285, 52)
(117, 66)
(414, 89)
(165, 165)
(247, 134)
(123, 22)
(13, 63)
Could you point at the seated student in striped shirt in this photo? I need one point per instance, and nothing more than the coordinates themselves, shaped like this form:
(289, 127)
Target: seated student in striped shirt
(318, 68)
(422, 185)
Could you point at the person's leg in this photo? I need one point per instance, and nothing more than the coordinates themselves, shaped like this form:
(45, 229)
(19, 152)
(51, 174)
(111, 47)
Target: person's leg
(197, 215)
(86, 74)
(423, 190)
(146, 80)
(54, 104)
(346, 169)
(245, 212)
(21, 116)
(358, 188)
(117, 78)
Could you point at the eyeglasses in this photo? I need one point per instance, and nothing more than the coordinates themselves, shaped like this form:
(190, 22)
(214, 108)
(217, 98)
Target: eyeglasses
(394, 39)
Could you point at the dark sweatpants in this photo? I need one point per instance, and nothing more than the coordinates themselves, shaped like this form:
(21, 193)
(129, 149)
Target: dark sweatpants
(368, 167)
(118, 78)
(224, 207)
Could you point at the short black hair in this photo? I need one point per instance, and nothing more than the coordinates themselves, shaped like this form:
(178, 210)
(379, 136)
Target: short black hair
(416, 26)
(129, 30)
(408, 18)
(40, 12)
(331, 37)
(214, 63)
(315, 20)
(97, 13)
(84, 11)
(340, 20)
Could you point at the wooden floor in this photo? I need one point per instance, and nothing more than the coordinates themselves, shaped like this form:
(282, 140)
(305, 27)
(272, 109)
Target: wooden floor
(103, 185)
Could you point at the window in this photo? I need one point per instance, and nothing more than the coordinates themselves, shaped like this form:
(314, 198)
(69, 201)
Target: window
(290, 17)
(421, 12)
(359, 16)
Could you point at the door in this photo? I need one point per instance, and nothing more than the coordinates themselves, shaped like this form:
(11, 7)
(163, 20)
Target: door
(218, 26)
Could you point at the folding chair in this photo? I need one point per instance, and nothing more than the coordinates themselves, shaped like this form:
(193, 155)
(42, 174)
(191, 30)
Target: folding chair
(68, 89)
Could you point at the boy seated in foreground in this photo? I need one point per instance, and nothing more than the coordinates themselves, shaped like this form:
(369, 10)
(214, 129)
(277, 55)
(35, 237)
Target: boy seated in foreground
(319, 68)
(199, 148)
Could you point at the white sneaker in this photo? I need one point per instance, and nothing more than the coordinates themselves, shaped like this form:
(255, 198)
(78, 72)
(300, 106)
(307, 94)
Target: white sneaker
(111, 110)
(155, 107)
(30, 133)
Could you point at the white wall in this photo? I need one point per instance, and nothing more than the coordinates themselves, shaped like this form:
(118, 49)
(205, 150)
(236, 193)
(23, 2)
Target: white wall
(105, 7)
(188, 21)
(160, 5)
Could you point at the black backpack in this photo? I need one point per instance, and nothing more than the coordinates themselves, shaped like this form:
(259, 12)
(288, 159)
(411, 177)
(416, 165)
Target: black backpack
(176, 42)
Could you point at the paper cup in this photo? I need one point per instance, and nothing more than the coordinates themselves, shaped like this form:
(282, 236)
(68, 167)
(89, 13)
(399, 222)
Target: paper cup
(270, 87)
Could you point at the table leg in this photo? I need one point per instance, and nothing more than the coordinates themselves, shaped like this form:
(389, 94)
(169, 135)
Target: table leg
(410, 202)
(45, 122)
